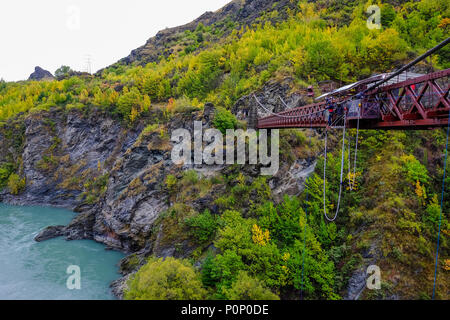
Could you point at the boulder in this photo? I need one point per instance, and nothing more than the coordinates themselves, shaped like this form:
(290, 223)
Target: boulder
(41, 74)
(50, 233)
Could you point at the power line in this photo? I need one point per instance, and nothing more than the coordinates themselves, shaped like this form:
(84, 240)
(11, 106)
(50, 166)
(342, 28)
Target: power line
(88, 63)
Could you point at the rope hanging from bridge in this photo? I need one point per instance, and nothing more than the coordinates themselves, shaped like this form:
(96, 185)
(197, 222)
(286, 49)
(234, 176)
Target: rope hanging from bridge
(352, 179)
(344, 117)
(342, 174)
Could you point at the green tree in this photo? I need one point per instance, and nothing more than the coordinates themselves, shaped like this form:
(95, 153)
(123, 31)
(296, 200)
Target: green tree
(169, 279)
(202, 226)
(132, 103)
(62, 71)
(16, 184)
(248, 288)
(224, 119)
(388, 15)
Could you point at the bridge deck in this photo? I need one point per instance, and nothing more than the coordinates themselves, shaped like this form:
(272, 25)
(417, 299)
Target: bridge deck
(418, 103)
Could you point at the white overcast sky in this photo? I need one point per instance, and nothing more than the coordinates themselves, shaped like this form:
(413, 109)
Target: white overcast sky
(50, 33)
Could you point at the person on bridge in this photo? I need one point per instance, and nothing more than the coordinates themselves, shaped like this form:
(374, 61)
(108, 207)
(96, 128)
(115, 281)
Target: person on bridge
(329, 109)
(341, 109)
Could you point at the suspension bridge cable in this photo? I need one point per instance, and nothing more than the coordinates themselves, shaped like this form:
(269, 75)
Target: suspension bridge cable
(283, 116)
(442, 209)
(409, 65)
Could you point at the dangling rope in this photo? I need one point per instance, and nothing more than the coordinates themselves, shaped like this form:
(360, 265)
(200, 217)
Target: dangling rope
(306, 210)
(442, 209)
(342, 174)
(353, 178)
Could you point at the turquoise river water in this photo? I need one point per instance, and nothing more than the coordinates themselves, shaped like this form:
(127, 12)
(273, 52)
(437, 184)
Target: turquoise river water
(31, 270)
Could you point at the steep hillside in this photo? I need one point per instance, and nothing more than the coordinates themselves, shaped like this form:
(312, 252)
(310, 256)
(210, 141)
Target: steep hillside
(209, 28)
(100, 145)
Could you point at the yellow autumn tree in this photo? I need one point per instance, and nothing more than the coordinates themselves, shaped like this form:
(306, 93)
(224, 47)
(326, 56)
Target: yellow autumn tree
(421, 192)
(447, 265)
(259, 236)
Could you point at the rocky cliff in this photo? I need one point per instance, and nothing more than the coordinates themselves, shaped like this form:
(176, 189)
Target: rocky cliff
(114, 175)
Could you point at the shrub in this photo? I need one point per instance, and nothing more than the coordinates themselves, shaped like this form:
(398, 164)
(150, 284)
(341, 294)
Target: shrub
(190, 177)
(169, 279)
(171, 183)
(62, 71)
(185, 105)
(16, 184)
(149, 129)
(415, 171)
(202, 226)
(5, 171)
(131, 104)
(224, 120)
(248, 288)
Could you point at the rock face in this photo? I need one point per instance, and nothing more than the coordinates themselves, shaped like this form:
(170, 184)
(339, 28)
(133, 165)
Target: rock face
(115, 176)
(357, 283)
(49, 233)
(41, 74)
(64, 153)
(58, 147)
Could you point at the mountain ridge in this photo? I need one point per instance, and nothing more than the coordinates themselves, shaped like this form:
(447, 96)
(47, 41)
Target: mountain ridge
(242, 12)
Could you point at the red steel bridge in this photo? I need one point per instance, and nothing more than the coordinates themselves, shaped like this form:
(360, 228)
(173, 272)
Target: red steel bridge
(421, 102)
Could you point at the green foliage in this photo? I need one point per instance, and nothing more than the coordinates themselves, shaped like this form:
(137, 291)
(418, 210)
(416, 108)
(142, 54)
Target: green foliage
(132, 103)
(224, 119)
(388, 15)
(415, 171)
(171, 183)
(16, 184)
(190, 177)
(248, 288)
(62, 71)
(202, 226)
(165, 279)
(432, 216)
(95, 188)
(202, 75)
(6, 170)
(273, 261)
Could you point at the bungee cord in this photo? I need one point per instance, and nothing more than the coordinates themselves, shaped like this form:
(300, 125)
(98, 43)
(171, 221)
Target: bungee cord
(352, 179)
(342, 174)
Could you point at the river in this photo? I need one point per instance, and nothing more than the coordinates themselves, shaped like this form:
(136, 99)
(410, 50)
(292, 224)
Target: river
(32, 270)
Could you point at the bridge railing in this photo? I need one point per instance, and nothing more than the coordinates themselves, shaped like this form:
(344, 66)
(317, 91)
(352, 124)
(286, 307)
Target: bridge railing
(412, 104)
(306, 116)
(423, 98)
